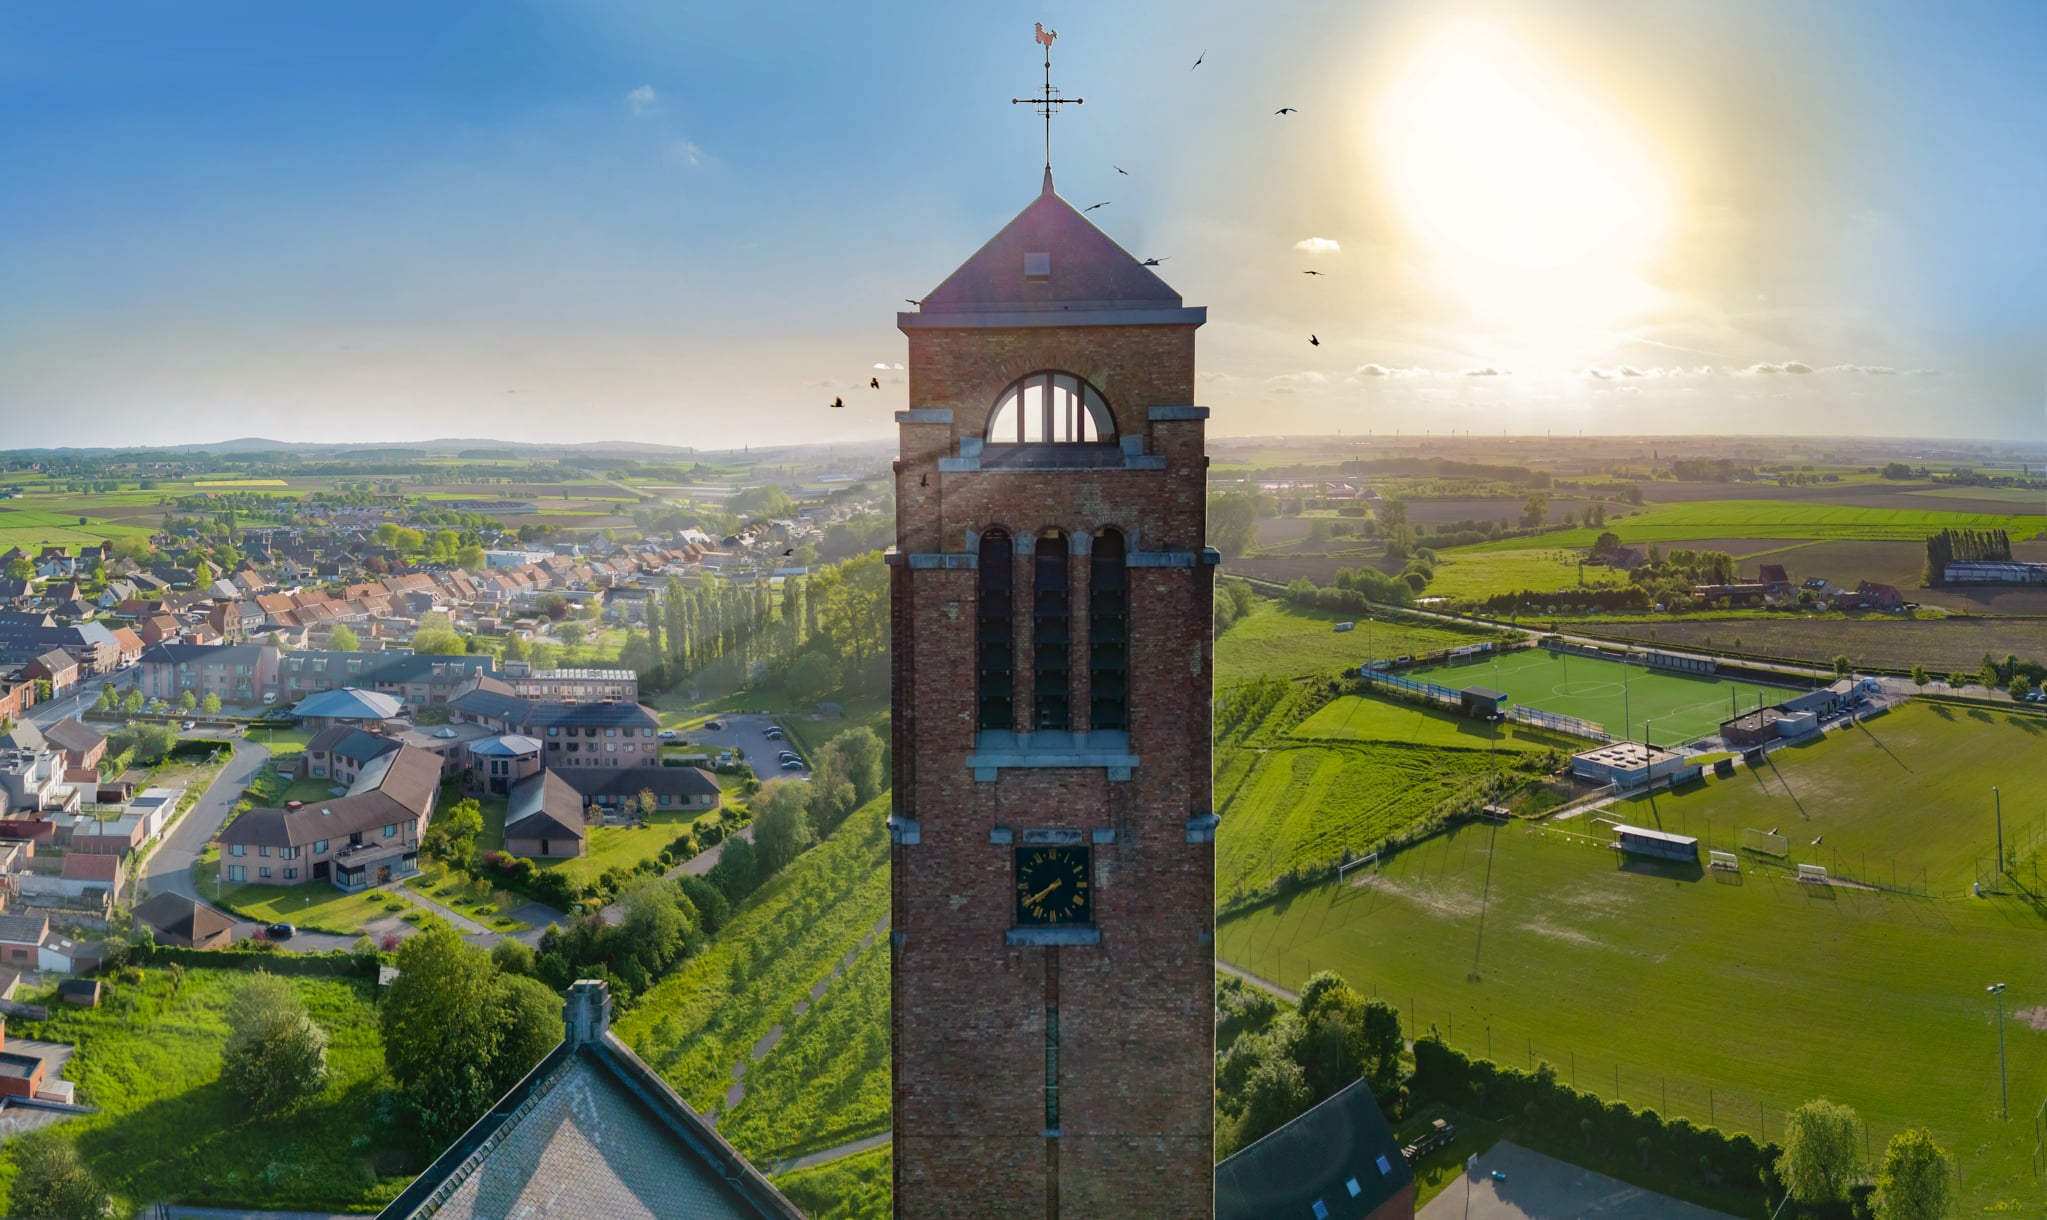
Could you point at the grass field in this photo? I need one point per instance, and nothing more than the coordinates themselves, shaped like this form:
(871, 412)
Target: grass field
(1365, 718)
(1285, 641)
(315, 906)
(1673, 523)
(149, 1058)
(1476, 572)
(1905, 798)
(1943, 645)
(1673, 706)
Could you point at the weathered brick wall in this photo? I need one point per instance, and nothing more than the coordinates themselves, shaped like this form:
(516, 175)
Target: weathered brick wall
(1136, 1011)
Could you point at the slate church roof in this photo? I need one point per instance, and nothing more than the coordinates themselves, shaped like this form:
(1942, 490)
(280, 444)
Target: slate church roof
(1340, 1155)
(591, 1131)
(1050, 259)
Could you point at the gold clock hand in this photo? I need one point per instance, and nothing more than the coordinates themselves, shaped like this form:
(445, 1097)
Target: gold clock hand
(1039, 897)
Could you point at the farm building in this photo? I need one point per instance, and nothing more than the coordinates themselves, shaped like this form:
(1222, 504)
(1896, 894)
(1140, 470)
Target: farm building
(1483, 703)
(1659, 844)
(1990, 572)
(1629, 764)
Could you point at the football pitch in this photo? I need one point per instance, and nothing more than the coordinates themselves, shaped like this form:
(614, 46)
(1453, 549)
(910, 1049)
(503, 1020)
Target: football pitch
(1672, 707)
(1728, 999)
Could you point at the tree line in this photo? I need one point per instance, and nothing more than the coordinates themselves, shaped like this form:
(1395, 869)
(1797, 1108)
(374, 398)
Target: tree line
(1951, 546)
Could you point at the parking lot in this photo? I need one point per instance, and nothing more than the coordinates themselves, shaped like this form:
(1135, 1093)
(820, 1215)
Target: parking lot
(746, 731)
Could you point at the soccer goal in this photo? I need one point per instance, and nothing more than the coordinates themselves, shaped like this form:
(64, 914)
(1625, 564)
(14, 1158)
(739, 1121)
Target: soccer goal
(1724, 860)
(1343, 870)
(1812, 874)
(1765, 843)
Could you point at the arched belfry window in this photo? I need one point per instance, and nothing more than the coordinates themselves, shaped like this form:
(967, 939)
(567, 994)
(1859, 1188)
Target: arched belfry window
(1051, 408)
(995, 636)
(1051, 691)
(1108, 633)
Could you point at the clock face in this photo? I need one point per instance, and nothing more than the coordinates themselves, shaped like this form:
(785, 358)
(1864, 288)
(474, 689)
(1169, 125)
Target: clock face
(1052, 885)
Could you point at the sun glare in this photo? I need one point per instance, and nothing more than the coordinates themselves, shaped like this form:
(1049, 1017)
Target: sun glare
(1526, 193)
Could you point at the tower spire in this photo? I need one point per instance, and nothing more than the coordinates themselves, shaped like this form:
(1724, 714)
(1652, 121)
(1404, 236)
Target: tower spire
(1048, 100)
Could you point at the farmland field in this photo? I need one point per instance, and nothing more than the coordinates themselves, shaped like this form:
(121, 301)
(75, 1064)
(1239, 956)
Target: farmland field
(1280, 640)
(1674, 706)
(744, 992)
(1670, 523)
(1478, 572)
(1876, 641)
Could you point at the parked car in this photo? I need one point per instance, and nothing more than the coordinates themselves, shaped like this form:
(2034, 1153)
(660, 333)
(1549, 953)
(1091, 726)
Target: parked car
(280, 931)
(714, 724)
(186, 725)
(773, 734)
(668, 735)
(792, 764)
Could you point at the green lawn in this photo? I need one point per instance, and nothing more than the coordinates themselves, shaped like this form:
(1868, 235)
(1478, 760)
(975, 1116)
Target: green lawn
(1675, 706)
(149, 1058)
(315, 906)
(1672, 523)
(1903, 800)
(467, 895)
(1284, 641)
(1370, 718)
(623, 847)
(827, 1080)
(1475, 572)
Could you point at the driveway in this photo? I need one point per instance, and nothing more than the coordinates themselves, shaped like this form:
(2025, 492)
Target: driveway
(1538, 1187)
(170, 869)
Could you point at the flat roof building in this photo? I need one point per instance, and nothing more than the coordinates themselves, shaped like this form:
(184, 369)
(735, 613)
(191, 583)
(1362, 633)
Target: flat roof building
(1629, 764)
(1660, 844)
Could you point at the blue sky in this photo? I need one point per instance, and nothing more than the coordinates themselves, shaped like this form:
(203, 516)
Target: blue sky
(601, 221)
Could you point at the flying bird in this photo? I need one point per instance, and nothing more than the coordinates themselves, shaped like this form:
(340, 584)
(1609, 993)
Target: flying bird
(790, 551)
(1119, 169)
(1314, 342)
(874, 383)
(908, 301)
(1286, 110)
(1199, 58)
(1816, 840)
(1311, 273)
(1153, 262)
(838, 404)
(1091, 207)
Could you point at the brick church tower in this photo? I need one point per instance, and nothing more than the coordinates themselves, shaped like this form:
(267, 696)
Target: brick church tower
(1053, 837)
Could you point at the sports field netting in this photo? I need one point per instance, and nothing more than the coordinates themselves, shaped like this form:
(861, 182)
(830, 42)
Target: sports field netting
(1677, 707)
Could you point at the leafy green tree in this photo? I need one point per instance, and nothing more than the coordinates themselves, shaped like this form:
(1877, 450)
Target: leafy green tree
(1842, 666)
(570, 634)
(51, 1182)
(210, 704)
(529, 1015)
(202, 574)
(2021, 686)
(109, 699)
(451, 836)
(1914, 1182)
(276, 1056)
(131, 702)
(861, 752)
(441, 1037)
(21, 568)
(1919, 675)
(1819, 1152)
(1535, 511)
(781, 824)
(1958, 680)
(470, 557)
(438, 642)
(1988, 675)
(737, 871)
(810, 677)
(512, 956)
(343, 638)
(1275, 1094)
(710, 902)
(1232, 524)
(187, 700)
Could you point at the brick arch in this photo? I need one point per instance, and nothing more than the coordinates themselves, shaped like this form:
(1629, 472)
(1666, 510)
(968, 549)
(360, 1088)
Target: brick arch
(1037, 356)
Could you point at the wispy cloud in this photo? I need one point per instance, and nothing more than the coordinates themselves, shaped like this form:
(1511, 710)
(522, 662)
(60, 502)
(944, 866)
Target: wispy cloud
(1624, 372)
(1766, 369)
(686, 152)
(1380, 370)
(1863, 370)
(642, 100)
(1487, 371)
(1289, 383)
(1319, 245)
(885, 365)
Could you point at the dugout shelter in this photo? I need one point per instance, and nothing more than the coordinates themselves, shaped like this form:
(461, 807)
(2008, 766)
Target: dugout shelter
(1482, 703)
(1657, 844)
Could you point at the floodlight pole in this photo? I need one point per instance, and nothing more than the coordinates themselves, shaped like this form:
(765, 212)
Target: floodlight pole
(1999, 799)
(2003, 1088)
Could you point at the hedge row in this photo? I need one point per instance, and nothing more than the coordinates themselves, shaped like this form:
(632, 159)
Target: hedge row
(334, 964)
(1484, 1088)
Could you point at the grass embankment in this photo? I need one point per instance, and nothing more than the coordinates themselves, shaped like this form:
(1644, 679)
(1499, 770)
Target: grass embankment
(850, 1188)
(1727, 999)
(1295, 798)
(826, 1081)
(149, 1058)
(1278, 640)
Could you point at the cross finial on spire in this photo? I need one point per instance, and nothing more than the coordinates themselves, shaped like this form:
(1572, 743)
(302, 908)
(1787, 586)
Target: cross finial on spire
(1048, 100)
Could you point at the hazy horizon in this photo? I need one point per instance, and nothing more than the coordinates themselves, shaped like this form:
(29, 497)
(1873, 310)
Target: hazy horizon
(618, 221)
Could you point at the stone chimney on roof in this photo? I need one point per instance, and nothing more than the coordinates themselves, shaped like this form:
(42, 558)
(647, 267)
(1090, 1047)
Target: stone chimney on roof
(587, 1014)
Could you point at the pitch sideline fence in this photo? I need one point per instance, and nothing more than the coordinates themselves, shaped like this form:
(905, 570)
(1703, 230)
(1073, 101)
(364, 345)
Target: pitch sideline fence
(1425, 690)
(1560, 723)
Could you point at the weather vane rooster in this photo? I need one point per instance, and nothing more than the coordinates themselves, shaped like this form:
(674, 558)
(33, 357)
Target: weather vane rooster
(1045, 36)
